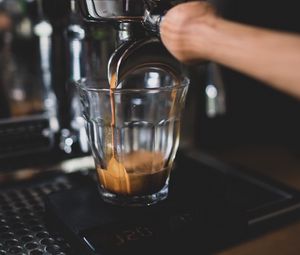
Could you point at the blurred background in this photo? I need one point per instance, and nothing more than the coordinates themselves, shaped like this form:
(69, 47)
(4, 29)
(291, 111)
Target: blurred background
(45, 45)
(37, 69)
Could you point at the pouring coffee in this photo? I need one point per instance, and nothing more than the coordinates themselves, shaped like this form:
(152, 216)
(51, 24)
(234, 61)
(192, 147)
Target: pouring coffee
(133, 117)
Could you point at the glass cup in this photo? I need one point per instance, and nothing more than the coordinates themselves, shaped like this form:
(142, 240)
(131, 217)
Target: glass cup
(134, 135)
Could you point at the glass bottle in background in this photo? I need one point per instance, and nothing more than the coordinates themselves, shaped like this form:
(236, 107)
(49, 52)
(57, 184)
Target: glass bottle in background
(17, 72)
(26, 77)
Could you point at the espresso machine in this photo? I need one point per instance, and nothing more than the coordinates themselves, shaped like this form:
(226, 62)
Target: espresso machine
(29, 104)
(49, 203)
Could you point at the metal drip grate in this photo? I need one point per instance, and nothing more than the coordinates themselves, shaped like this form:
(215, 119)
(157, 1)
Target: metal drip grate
(22, 225)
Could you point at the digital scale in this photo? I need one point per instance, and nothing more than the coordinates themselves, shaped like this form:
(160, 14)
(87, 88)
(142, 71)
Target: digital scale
(210, 206)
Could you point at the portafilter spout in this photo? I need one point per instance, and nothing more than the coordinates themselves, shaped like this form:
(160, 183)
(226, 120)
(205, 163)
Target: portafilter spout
(142, 57)
(139, 48)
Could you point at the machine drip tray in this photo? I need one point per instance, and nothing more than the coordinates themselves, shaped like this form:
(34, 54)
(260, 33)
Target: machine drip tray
(210, 206)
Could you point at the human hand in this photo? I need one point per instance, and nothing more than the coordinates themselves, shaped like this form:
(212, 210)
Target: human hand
(183, 30)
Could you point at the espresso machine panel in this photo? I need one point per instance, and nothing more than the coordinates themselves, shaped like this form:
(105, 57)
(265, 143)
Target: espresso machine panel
(25, 136)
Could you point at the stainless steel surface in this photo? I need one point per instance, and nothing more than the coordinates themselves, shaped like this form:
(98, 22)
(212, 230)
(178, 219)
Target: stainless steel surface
(127, 10)
(152, 21)
(22, 219)
(141, 54)
(22, 224)
(147, 11)
(136, 47)
(43, 30)
(74, 131)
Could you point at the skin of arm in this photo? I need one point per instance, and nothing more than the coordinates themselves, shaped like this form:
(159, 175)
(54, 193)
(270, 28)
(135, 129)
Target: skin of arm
(193, 32)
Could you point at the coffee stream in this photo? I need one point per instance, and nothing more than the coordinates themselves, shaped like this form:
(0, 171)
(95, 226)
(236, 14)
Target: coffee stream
(140, 173)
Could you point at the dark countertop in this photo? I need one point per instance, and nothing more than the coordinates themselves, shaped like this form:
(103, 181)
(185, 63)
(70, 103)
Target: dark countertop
(282, 165)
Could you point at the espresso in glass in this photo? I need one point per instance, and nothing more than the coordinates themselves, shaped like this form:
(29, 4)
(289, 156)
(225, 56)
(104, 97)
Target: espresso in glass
(140, 173)
(134, 135)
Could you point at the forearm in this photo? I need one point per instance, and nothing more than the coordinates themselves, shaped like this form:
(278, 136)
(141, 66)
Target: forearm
(193, 32)
(272, 57)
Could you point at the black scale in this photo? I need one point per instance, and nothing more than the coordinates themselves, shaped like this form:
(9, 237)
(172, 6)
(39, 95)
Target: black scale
(210, 206)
